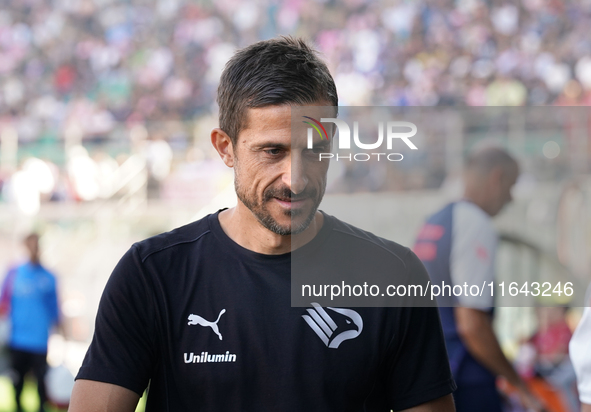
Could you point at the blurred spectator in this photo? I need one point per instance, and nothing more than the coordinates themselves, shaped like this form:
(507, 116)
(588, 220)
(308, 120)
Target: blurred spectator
(33, 182)
(580, 353)
(551, 346)
(158, 155)
(29, 295)
(458, 246)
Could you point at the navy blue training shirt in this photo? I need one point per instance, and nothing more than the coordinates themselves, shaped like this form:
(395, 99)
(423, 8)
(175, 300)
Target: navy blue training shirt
(209, 324)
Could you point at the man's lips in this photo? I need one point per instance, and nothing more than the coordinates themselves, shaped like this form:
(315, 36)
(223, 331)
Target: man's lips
(291, 203)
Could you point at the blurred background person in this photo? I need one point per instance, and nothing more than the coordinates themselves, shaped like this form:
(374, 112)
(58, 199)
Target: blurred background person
(458, 245)
(580, 354)
(552, 363)
(29, 293)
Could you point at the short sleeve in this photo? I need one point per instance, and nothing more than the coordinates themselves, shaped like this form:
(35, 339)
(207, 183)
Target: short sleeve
(417, 364)
(122, 351)
(473, 250)
(5, 292)
(580, 354)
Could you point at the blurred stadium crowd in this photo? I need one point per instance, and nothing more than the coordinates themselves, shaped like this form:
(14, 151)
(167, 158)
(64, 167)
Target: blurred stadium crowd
(93, 70)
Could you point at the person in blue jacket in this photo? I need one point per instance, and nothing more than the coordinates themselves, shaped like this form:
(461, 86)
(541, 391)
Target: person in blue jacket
(30, 297)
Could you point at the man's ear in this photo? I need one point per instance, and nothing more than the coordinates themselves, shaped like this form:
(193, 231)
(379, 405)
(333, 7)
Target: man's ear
(333, 133)
(223, 144)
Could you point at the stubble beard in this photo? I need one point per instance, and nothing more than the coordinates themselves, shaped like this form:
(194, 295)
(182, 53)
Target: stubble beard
(260, 211)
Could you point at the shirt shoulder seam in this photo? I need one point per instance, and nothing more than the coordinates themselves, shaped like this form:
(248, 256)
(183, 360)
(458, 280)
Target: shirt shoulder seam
(174, 244)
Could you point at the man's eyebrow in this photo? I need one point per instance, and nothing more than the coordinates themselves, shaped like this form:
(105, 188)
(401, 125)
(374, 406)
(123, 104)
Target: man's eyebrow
(321, 144)
(276, 145)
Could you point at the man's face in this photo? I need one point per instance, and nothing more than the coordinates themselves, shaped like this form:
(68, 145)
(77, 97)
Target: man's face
(277, 177)
(32, 245)
(501, 189)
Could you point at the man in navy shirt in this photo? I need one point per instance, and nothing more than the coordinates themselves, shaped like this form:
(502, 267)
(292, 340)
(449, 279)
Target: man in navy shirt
(203, 313)
(29, 294)
(458, 245)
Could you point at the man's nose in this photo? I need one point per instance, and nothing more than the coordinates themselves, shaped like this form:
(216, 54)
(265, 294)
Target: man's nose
(294, 176)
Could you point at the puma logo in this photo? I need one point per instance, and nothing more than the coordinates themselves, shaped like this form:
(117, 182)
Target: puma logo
(198, 320)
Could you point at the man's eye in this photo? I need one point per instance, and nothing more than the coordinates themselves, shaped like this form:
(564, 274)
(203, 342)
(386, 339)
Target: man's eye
(273, 152)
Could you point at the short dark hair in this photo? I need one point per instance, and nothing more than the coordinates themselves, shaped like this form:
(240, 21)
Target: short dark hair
(283, 70)
(484, 160)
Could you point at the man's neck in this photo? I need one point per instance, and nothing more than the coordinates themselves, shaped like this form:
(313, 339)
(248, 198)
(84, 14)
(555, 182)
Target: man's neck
(476, 200)
(244, 228)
